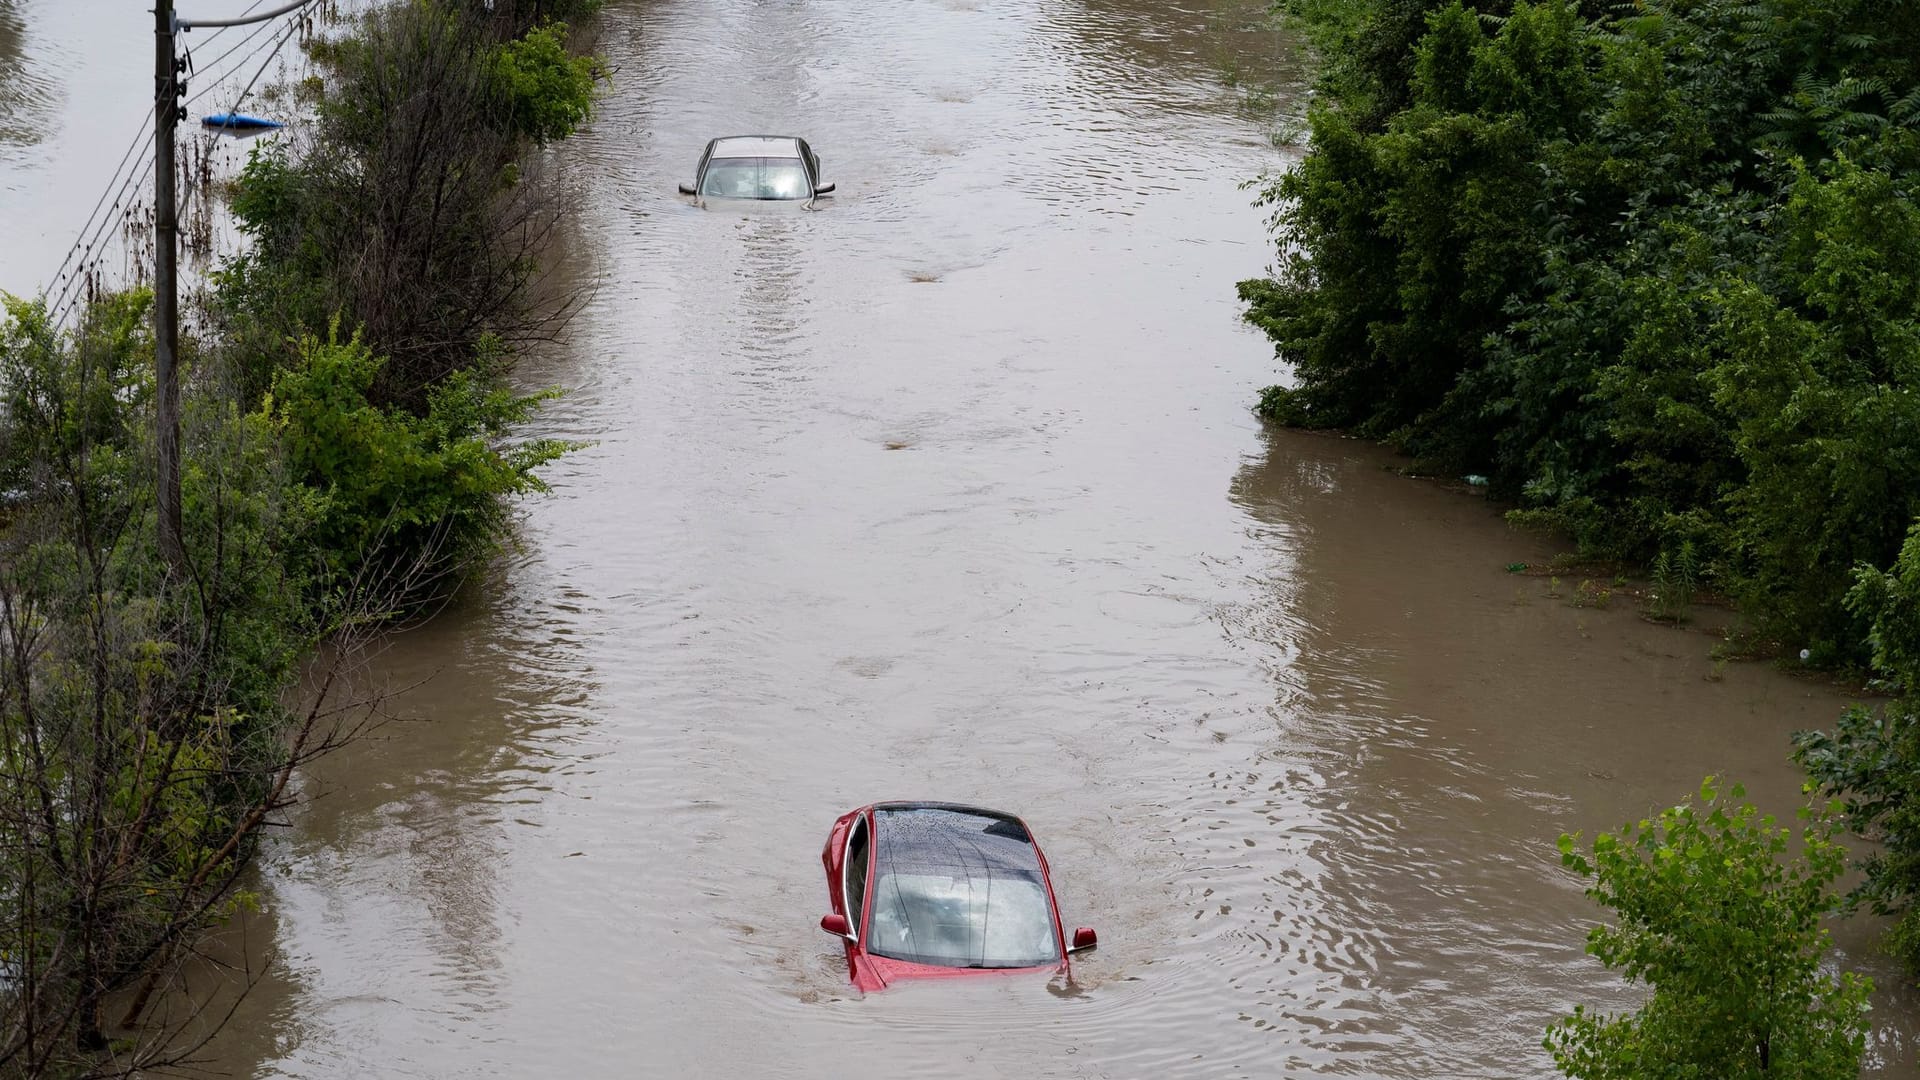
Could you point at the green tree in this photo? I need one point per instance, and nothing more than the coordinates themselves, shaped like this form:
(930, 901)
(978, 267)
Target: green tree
(548, 90)
(391, 487)
(407, 212)
(1871, 760)
(147, 728)
(1723, 922)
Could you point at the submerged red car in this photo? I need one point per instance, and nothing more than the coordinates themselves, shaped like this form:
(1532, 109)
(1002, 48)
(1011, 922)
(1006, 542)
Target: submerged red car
(936, 890)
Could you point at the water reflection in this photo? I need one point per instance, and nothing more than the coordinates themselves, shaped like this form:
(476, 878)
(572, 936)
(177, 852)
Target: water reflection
(28, 94)
(764, 292)
(463, 765)
(1449, 721)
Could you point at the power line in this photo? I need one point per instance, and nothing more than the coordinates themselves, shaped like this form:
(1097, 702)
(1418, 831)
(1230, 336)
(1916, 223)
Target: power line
(264, 23)
(71, 291)
(138, 139)
(292, 28)
(94, 231)
(211, 38)
(243, 19)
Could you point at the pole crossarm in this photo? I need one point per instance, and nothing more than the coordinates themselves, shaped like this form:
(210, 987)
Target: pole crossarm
(244, 20)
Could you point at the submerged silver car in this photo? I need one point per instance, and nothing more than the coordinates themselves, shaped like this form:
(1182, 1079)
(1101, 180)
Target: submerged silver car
(766, 167)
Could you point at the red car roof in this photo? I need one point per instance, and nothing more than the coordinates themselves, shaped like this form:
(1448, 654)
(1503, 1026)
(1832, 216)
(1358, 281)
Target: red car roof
(923, 841)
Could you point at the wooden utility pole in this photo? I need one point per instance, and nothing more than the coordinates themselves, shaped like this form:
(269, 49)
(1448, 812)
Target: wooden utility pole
(166, 288)
(169, 88)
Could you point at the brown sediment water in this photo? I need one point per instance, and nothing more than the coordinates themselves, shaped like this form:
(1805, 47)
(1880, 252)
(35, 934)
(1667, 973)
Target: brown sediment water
(950, 490)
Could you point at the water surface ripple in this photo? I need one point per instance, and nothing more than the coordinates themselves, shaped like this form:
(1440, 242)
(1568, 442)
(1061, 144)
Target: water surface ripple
(949, 490)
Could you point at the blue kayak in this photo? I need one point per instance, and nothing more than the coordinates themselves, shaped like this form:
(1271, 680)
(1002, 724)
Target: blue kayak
(239, 122)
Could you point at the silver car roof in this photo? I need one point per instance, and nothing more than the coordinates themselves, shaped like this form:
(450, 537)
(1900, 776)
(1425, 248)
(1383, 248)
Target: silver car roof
(757, 146)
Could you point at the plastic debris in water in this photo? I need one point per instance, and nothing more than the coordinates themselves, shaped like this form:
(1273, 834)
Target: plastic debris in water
(1475, 479)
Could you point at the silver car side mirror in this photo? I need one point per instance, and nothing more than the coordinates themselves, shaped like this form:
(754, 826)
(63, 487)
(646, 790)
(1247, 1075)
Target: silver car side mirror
(687, 189)
(823, 189)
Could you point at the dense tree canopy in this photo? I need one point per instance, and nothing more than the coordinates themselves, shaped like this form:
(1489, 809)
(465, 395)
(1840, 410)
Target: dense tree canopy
(1649, 267)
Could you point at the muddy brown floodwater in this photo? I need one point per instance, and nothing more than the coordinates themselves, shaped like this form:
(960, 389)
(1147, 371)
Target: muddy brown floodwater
(950, 490)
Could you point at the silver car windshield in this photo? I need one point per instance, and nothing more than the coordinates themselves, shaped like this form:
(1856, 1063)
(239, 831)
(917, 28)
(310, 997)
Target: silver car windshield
(756, 178)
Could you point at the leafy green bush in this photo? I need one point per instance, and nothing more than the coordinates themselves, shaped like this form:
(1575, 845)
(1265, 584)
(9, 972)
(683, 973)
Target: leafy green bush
(1886, 601)
(407, 219)
(389, 485)
(62, 396)
(1723, 923)
(1871, 759)
(548, 90)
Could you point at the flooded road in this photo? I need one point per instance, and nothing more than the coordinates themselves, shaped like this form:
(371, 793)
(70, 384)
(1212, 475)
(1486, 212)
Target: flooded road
(73, 93)
(950, 490)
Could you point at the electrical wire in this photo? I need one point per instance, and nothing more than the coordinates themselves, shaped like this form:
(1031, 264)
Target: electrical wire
(93, 232)
(211, 38)
(138, 139)
(71, 291)
(255, 32)
(242, 19)
(292, 29)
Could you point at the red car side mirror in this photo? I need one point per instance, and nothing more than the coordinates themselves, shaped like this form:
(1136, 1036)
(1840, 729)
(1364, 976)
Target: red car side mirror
(1084, 938)
(835, 924)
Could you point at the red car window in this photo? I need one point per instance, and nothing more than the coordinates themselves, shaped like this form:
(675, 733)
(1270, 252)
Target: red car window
(856, 874)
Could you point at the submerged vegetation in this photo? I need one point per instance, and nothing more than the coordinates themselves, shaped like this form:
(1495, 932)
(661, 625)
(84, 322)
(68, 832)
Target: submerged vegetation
(1650, 269)
(346, 453)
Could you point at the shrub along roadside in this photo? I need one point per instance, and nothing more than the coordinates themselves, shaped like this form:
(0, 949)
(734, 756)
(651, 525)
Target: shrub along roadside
(143, 732)
(1871, 760)
(149, 725)
(410, 217)
(413, 210)
(423, 491)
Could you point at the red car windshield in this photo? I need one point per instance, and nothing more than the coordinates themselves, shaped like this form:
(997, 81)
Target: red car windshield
(958, 889)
